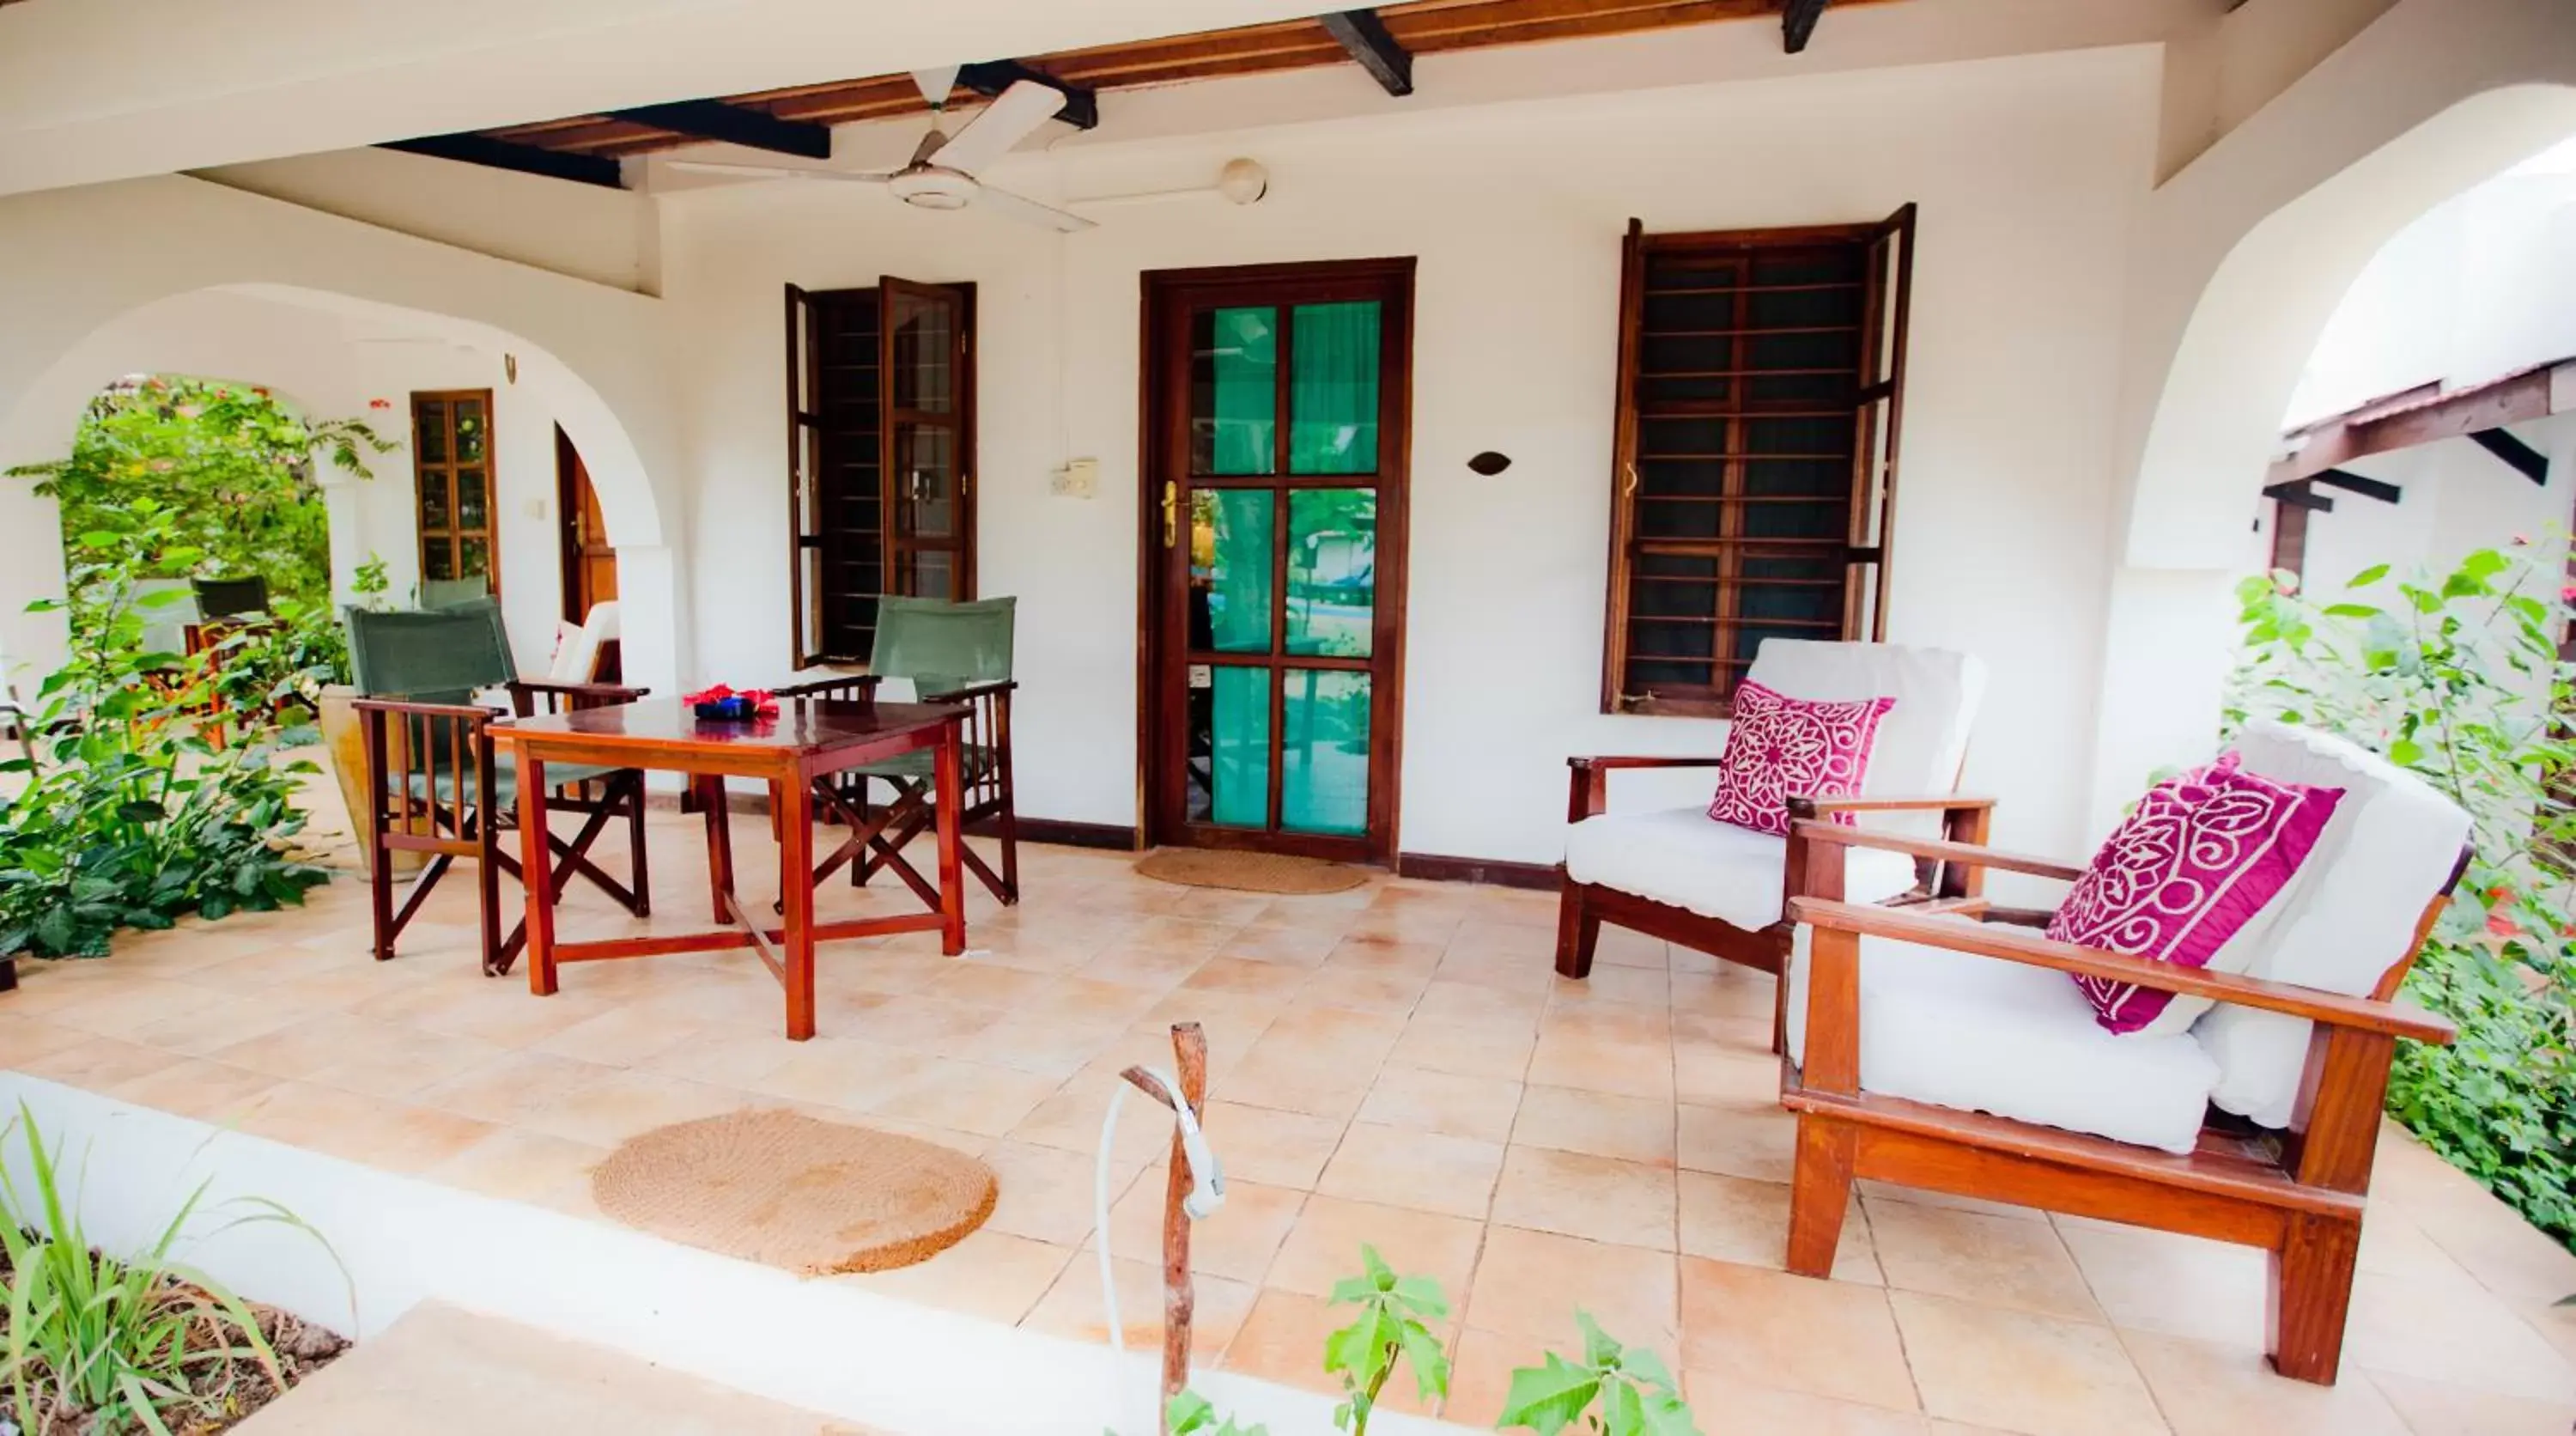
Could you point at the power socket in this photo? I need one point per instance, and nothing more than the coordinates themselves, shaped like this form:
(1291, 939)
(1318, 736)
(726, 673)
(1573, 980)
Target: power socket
(1078, 479)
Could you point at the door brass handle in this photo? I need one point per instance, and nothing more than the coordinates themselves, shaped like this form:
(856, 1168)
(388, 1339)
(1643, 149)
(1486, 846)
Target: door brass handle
(1171, 515)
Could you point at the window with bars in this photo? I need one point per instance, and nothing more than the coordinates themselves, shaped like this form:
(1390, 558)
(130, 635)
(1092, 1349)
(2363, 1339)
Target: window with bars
(1761, 378)
(451, 457)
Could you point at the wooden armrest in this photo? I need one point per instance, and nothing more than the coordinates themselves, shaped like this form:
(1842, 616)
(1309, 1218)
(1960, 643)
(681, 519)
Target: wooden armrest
(406, 708)
(827, 687)
(1604, 764)
(600, 693)
(2361, 1014)
(1940, 850)
(1808, 807)
(970, 691)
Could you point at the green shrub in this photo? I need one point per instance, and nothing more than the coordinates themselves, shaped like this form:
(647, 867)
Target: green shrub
(2457, 677)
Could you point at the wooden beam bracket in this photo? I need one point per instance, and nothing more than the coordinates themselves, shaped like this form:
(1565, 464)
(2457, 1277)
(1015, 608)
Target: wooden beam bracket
(2368, 488)
(1798, 23)
(2298, 496)
(509, 155)
(2526, 460)
(735, 125)
(991, 77)
(1365, 36)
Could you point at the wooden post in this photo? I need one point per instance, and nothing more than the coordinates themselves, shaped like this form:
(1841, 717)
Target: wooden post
(1180, 1301)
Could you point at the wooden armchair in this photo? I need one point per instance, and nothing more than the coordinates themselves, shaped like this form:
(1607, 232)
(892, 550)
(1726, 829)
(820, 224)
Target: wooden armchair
(434, 785)
(1679, 875)
(1952, 1051)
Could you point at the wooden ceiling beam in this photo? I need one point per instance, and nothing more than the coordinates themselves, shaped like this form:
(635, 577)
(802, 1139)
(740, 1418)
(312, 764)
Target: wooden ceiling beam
(1798, 23)
(1365, 37)
(2524, 459)
(525, 159)
(990, 78)
(2368, 488)
(734, 125)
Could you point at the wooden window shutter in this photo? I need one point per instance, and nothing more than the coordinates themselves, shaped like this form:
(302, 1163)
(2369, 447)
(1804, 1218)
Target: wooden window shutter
(1623, 468)
(1879, 423)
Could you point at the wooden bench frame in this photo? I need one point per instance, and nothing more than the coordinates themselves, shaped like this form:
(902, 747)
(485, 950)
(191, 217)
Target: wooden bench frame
(2297, 1194)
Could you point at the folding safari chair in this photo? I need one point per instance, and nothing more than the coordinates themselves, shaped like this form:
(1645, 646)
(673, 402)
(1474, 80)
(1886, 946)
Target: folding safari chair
(951, 653)
(433, 785)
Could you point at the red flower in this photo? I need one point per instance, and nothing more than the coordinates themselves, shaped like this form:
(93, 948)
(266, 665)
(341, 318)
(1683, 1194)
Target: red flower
(2503, 925)
(2567, 594)
(2522, 540)
(380, 403)
(715, 694)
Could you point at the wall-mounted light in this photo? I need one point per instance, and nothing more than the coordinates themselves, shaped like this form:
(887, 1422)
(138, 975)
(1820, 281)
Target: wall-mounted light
(1243, 181)
(1490, 463)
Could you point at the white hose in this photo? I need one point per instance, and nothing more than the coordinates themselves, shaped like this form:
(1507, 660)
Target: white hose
(1210, 1181)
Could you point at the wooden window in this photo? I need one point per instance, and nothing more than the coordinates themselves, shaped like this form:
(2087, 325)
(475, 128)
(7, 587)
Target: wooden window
(1761, 383)
(881, 456)
(451, 460)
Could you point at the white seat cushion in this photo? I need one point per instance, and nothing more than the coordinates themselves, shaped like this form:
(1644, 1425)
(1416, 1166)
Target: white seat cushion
(2346, 917)
(1985, 1035)
(1684, 858)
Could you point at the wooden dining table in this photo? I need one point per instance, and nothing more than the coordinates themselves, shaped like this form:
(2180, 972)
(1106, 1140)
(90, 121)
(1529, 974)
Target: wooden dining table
(793, 753)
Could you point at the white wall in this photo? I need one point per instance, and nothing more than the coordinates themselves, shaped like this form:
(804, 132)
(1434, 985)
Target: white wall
(2027, 171)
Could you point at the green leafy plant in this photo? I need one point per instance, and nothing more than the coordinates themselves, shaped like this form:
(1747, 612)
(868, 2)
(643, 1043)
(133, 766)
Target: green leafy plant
(1615, 1390)
(1189, 1414)
(2456, 676)
(1392, 1326)
(96, 1342)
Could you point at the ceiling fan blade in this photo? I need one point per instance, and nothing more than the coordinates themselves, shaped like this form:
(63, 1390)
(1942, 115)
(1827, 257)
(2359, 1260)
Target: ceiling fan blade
(931, 144)
(1029, 211)
(998, 126)
(711, 167)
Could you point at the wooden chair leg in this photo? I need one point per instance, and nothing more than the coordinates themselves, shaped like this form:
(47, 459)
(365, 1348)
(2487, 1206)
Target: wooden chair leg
(859, 870)
(635, 840)
(2311, 1294)
(1578, 932)
(487, 880)
(8, 974)
(1009, 824)
(1819, 1194)
(380, 891)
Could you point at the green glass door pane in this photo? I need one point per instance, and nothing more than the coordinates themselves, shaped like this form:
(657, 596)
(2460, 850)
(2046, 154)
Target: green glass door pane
(1239, 747)
(1324, 752)
(1332, 388)
(1234, 390)
(1230, 569)
(1332, 571)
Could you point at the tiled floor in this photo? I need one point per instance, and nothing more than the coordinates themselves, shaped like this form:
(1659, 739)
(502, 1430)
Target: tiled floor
(1395, 1065)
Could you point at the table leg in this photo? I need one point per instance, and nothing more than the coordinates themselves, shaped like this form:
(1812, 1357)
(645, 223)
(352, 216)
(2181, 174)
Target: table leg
(711, 798)
(794, 805)
(950, 802)
(536, 874)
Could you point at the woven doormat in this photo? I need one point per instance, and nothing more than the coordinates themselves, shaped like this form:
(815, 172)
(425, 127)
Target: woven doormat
(1248, 872)
(786, 1190)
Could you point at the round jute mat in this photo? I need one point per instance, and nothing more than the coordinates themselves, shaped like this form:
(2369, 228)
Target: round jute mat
(787, 1190)
(1248, 872)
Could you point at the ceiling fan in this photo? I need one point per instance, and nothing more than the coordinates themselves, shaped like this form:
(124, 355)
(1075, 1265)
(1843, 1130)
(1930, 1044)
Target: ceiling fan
(941, 173)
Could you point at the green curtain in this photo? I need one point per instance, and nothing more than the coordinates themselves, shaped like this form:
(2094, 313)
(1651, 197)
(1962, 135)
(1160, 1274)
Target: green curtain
(1332, 389)
(1243, 352)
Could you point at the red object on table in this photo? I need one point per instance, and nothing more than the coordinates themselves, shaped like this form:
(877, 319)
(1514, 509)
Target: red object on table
(807, 743)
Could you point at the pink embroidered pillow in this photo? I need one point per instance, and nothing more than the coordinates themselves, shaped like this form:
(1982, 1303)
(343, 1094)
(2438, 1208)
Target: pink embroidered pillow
(1780, 748)
(2194, 863)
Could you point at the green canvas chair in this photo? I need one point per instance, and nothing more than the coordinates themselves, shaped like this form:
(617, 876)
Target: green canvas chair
(437, 593)
(951, 653)
(433, 783)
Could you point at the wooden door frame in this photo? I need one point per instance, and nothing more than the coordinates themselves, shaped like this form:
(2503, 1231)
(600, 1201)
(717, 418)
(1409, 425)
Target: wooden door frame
(1393, 481)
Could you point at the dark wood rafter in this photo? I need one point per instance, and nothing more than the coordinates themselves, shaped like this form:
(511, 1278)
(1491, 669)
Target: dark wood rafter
(1365, 37)
(2523, 458)
(2368, 488)
(2424, 414)
(503, 154)
(990, 78)
(735, 125)
(1798, 23)
(2298, 495)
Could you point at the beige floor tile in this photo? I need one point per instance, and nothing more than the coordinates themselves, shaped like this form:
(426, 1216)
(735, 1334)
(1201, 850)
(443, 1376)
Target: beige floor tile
(1745, 1407)
(1736, 1219)
(118, 1008)
(625, 1037)
(1072, 1307)
(1994, 1367)
(1530, 1284)
(1600, 1124)
(208, 1091)
(1626, 1066)
(1244, 977)
(1976, 1257)
(24, 1039)
(990, 1274)
(1443, 1102)
(2149, 1280)
(1070, 1121)
(381, 1133)
(1708, 1073)
(1283, 1339)
(2431, 1408)
(2205, 1389)
(1323, 1247)
(509, 1087)
(1480, 1372)
(1499, 1049)
(1294, 1077)
(2454, 1331)
(219, 1021)
(1258, 1144)
(1768, 1328)
(1422, 1170)
(1304, 945)
(1576, 1195)
(840, 1071)
(1217, 905)
(1037, 1043)
(1451, 999)
(98, 1063)
(618, 1105)
(1089, 999)
(981, 982)
(965, 1096)
(519, 1165)
(1756, 1140)
(1046, 1192)
(401, 1062)
(1149, 969)
(1239, 1241)
(1608, 983)
(725, 1056)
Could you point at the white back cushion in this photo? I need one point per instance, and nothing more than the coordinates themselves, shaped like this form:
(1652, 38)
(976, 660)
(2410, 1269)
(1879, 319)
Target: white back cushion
(1921, 740)
(2347, 916)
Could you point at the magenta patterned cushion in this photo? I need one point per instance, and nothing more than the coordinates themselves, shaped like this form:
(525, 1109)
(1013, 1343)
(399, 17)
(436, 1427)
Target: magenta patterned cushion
(1780, 748)
(2187, 871)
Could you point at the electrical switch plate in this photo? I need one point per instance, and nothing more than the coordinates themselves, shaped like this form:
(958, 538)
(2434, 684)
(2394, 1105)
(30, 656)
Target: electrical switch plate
(1078, 479)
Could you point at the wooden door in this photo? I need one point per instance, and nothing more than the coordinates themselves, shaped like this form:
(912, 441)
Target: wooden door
(1277, 412)
(589, 562)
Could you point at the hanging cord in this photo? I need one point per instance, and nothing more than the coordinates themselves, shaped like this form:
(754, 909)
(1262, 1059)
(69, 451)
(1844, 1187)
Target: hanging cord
(1206, 1194)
